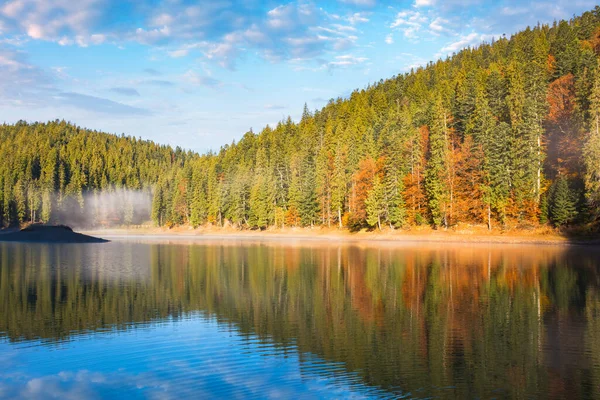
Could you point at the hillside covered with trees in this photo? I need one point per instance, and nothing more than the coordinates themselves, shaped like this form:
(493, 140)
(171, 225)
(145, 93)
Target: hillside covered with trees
(504, 134)
(53, 171)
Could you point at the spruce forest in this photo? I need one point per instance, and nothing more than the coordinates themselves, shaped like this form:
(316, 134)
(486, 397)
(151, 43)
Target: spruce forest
(506, 134)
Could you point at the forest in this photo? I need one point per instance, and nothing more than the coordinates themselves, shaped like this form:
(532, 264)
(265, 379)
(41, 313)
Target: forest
(505, 134)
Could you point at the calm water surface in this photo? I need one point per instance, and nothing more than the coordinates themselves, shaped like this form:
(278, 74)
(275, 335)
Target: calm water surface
(244, 319)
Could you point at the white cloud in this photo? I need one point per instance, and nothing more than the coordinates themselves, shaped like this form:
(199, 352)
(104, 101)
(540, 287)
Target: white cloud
(410, 61)
(357, 18)
(409, 22)
(389, 39)
(361, 3)
(97, 38)
(221, 31)
(439, 25)
(153, 35)
(226, 52)
(50, 19)
(510, 11)
(179, 53)
(162, 19)
(471, 39)
(346, 60)
(424, 3)
(292, 16)
(197, 79)
(35, 31)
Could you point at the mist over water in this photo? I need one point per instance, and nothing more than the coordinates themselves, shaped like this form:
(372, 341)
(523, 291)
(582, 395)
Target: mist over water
(104, 209)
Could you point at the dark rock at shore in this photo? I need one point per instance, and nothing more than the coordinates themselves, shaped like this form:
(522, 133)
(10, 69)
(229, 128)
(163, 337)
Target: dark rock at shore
(41, 233)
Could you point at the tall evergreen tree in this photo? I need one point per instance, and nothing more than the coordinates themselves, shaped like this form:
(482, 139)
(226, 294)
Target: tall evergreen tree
(562, 202)
(437, 167)
(375, 203)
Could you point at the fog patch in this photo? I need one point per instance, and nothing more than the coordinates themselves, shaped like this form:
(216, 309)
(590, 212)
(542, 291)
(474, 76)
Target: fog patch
(103, 209)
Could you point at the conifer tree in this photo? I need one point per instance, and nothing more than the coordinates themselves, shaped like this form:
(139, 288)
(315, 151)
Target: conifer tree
(437, 167)
(562, 203)
(308, 206)
(375, 203)
(158, 205)
(261, 195)
(339, 185)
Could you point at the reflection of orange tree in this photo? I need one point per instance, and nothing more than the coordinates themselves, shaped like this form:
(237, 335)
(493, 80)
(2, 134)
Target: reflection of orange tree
(410, 317)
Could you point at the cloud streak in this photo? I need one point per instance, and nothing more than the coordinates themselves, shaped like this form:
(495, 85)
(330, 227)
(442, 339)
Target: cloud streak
(98, 104)
(125, 91)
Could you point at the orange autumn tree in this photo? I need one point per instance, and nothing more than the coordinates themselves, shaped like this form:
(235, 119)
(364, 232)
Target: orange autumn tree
(563, 129)
(414, 192)
(468, 204)
(362, 183)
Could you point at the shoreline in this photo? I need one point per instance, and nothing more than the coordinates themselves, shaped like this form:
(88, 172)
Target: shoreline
(335, 235)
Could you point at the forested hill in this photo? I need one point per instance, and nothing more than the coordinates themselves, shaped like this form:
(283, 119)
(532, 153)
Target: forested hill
(504, 134)
(47, 169)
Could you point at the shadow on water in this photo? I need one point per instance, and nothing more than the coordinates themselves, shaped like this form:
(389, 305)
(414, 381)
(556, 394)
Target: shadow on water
(434, 320)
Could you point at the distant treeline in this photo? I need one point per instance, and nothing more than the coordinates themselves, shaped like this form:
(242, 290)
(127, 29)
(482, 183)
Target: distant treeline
(504, 134)
(62, 173)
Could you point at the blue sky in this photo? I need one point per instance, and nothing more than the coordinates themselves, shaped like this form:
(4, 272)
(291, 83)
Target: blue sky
(199, 74)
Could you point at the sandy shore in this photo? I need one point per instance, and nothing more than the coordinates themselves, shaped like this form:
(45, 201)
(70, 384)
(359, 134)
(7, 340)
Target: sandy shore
(329, 234)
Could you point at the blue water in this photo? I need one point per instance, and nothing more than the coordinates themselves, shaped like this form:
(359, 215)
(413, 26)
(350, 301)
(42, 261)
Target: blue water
(235, 319)
(193, 357)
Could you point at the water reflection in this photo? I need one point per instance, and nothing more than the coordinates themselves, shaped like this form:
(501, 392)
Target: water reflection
(448, 321)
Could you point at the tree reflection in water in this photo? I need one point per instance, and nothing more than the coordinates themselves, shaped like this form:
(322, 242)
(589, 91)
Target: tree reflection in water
(514, 321)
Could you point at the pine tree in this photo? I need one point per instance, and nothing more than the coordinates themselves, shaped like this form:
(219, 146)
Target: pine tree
(8, 215)
(562, 207)
(199, 206)
(375, 203)
(262, 197)
(437, 167)
(158, 205)
(499, 169)
(309, 206)
(20, 202)
(339, 185)
(481, 126)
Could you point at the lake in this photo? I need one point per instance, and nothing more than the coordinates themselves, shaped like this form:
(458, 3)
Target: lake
(298, 319)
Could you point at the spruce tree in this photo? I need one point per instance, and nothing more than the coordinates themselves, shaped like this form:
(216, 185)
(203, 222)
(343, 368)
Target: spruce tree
(437, 167)
(309, 205)
(375, 203)
(338, 192)
(158, 205)
(562, 207)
